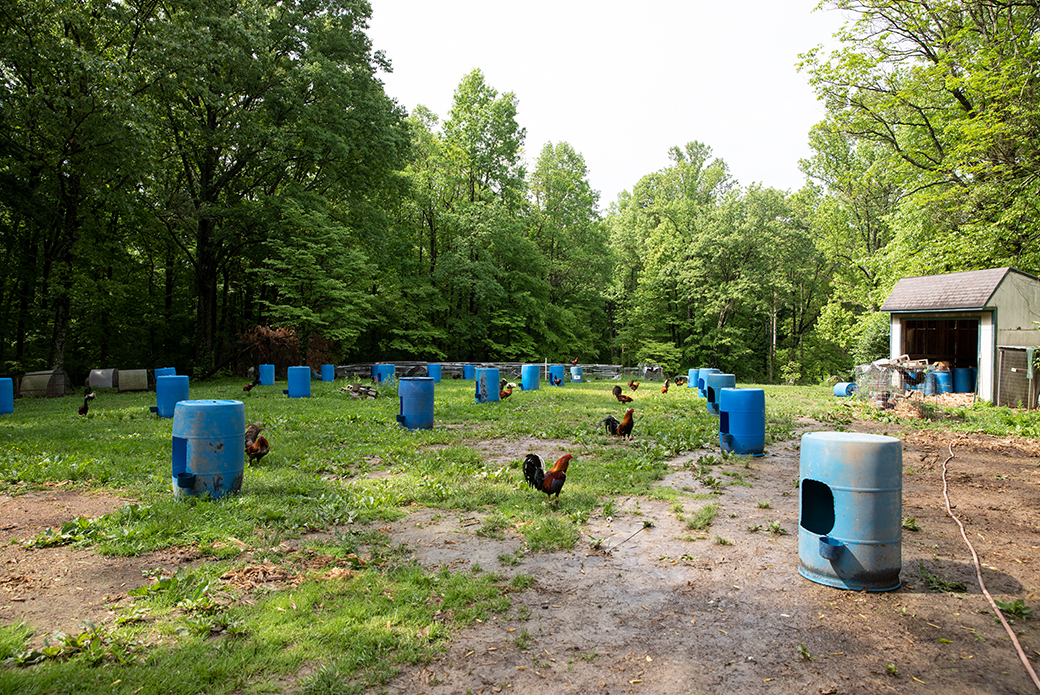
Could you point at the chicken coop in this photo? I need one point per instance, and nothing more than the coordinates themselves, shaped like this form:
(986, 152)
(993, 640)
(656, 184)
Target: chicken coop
(50, 384)
(958, 320)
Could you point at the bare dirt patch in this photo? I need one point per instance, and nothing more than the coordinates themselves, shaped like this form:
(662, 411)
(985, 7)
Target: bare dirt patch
(644, 604)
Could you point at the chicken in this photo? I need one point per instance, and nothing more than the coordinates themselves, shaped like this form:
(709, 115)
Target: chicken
(555, 380)
(620, 429)
(256, 445)
(550, 483)
(574, 361)
(633, 385)
(256, 382)
(506, 392)
(88, 396)
(622, 398)
(664, 389)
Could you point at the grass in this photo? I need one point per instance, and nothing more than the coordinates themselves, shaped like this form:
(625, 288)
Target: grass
(345, 467)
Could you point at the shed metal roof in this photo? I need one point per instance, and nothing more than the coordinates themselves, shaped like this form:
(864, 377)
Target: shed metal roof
(971, 289)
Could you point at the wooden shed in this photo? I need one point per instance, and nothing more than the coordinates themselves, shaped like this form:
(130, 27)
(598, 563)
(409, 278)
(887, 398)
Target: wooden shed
(964, 318)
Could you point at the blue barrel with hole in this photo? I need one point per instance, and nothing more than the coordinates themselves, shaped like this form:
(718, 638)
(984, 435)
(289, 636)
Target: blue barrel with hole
(6, 396)
(267, 375)
(844, 388)
(208, 447)
(169, 391)
(943, 382)
(529, 377)
(416, 393)
(742, 421)
(328, 372)
(575, 373)
(165, 371)
(691, 378)
(434, 372)
(850, 515)
(715, 382)
(556, 373)
(468, 371)
(962, 380)
(299, 382)
(385, 373)
(487, 385)
(702, 380)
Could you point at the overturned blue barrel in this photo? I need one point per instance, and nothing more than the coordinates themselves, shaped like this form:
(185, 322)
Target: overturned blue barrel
(487, 385)
(267, 375)
(844, 388)
(385, 373)
(208, 447)
(416, 393)
(742, 421)
(434, 372)
(850, 516)
(468, 371)
(691, 378)
(299, 382)
(575, 373)
(169, 391)
(715, 382)
(702, 380)
(556, 374)
(328, 372)
(529, 376)
(6, 396)
(963, 380)
(165, 371)
(943, 382)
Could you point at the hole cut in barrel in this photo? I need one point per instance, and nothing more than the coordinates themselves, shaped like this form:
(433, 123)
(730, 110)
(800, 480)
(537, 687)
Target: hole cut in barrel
(817, 507)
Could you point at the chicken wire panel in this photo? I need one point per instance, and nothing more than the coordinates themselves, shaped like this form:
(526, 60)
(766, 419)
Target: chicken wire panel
(879, 382)
(1012, 381)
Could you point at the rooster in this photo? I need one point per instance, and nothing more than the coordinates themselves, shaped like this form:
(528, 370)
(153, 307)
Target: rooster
(622, 398)
(88, 396)
(256, 445)
(555, 380)
(574, 361)
(550, 483)
(249, 387)
(664, 389)
(620, 429)
(633, 385)
(506, 392)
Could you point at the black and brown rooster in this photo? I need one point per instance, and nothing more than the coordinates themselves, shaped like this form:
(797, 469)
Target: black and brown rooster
(256, 445)
(621, 429)
(550, 482)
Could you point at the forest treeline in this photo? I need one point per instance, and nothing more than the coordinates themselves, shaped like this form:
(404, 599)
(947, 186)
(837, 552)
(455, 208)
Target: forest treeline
(197, 183)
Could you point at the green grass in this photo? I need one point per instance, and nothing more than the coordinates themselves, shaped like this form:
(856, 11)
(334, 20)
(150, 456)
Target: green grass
(346, 467)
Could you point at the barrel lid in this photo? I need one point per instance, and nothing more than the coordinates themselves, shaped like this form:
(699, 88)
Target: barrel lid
(850, 437)
(209, 403)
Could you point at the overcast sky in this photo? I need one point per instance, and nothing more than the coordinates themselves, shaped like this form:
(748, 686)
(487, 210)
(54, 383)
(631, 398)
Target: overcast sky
(622, 82)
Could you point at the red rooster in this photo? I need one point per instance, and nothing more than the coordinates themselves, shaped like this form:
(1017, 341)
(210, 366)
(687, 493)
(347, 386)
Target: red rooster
(550, 483)
(621, 429)
(633, 385)
(506, 392)
(256, 445)
(249, 387)
(664, 389)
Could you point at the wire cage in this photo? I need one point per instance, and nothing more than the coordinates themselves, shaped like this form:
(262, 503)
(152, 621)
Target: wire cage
(881, 382)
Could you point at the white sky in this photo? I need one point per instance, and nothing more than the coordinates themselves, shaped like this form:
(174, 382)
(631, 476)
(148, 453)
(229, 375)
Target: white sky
(622, 82)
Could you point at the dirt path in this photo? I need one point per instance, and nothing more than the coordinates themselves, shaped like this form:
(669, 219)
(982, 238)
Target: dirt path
(657, 608)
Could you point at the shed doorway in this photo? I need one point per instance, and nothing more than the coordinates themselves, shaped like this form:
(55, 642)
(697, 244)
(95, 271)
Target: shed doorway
(955, 341)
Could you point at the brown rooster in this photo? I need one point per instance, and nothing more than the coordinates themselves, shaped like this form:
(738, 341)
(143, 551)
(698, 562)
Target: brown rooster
(664, 389)
(256, 445)
(621, 429)
(506, 392)
(616, 391)
(622, 398)
(249, 387)
(548, 482)
(633, 385)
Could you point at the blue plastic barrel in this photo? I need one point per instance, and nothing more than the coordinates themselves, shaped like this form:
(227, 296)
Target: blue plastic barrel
(487, 385)
(468, 371)
(165, 371)
(556, 374)
(702, 380)
(328, 372)
(6, 396)
(208, 447)
(267, 375)
(844, 388)
(169, 390)
(575, 373)
(434, 372)
(299, 382)
(715, 382)
(851, 488)
(416, 393)
(972, 376)
(962, 381)
(943, 382)
(691, 378)
(529, 376)
(385, 373)
(742, 421)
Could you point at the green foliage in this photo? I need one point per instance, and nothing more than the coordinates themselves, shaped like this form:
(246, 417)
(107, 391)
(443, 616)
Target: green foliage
(1016, 608)
(937, 583)
(703, 517)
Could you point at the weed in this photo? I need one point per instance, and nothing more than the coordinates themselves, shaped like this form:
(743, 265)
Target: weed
(910, 524)
(803, 653)
(775, 528)
(703, 517)
(754, 528)
(522, 640)
(937, 583)
(1016, 608)
(765, 504)
(892, 670)
(522, 582)
(719, 540)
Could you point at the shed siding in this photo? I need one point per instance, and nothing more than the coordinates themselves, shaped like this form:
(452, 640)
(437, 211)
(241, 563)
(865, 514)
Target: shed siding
(986, 381)
(1018, 302)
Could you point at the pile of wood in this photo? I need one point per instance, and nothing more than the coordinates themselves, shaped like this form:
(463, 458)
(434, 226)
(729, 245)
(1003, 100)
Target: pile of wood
(358, 390)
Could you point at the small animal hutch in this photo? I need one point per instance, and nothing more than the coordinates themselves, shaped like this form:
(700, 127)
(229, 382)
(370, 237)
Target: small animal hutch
(969, 319)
